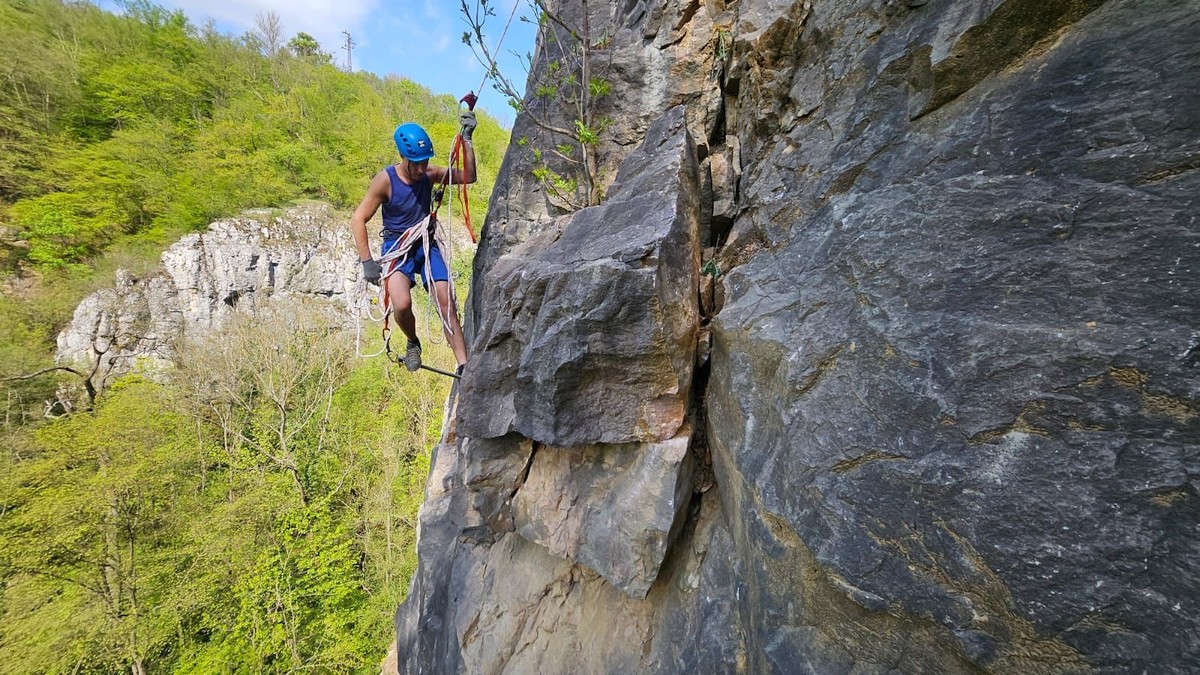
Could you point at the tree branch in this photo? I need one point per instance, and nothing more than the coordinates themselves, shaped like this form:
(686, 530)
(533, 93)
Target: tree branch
(43, 371)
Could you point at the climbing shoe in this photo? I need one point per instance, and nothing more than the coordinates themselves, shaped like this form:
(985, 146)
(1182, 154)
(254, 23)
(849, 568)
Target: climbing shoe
(412, 356)
(459, 370)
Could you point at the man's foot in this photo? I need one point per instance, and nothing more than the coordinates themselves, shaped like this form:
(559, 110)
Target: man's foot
(412, 356)
(459, 370)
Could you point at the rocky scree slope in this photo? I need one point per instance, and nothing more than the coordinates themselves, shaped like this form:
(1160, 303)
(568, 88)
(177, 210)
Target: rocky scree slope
(932, 405)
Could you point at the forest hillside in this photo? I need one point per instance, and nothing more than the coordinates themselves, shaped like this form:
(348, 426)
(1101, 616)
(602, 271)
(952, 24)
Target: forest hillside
(169, 528)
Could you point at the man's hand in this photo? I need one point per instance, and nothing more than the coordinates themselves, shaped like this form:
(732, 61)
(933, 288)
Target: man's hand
(467, 119)
(372, 270)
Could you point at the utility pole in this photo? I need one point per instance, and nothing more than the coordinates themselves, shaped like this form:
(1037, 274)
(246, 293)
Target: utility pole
(349, 56)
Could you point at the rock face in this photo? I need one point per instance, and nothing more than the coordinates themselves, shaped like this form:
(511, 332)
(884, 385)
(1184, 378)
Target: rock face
(206, 278)
(611, 509)
(949, 418)
(589, 330)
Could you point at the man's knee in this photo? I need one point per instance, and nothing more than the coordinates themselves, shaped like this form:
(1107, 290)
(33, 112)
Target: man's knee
(442, 291)
(402, 309)
(401, 303)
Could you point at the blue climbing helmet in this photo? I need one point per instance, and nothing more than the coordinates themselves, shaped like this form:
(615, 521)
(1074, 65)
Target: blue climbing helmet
(413, 143)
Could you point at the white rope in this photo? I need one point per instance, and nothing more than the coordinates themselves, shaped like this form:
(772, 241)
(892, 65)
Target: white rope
(500, 42)
(390, 261)
(361, 307)
(401, 249)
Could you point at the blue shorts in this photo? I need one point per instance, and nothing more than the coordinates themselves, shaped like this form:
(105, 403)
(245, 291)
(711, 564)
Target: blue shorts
(414, 263)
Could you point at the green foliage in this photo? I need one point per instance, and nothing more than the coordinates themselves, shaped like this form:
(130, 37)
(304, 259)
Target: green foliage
(298, 603)
(599, 87)
(259, 514)
(86, 539)
(304, 45)
(132, 91)
(567, 90)
(560, 186)
(161, 532)
(721, 48)
(143, 123)
(60, 227)
(587, 135)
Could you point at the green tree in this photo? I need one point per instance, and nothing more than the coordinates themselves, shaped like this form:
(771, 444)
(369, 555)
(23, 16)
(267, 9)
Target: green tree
(304, 45)
(62, 228)
(267, 383)
(566, 94)
(84, 540)
(150, 534)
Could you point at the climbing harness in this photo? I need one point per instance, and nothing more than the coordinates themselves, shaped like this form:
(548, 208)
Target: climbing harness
(425, 235)
(420, 234)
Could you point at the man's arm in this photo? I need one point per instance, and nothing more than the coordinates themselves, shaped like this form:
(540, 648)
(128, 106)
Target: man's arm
(468, 171)
(467, 175)
(376, 195)
(438, 173)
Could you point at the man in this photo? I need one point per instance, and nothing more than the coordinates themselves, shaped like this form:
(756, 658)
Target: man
(404, 191)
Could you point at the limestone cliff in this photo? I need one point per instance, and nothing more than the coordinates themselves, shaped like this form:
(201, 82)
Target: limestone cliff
(206, 277)
(879, 356)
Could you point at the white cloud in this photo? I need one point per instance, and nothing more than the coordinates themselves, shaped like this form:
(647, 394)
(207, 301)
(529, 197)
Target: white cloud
(419, 39)
(323, 19)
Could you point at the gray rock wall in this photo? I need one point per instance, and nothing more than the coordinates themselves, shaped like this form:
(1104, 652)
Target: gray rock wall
(947, 419)
(589, 330)
(206, 277)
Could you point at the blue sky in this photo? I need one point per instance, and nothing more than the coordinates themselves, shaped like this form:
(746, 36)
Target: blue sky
(417, 39)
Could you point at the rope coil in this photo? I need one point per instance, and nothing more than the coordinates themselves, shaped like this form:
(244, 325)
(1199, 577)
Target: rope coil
(391, 259)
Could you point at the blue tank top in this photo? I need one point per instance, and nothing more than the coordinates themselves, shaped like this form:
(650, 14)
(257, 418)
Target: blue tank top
(409, 203)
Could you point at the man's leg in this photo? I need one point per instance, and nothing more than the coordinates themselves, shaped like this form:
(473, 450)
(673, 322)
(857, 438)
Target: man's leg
(400, 295)
(447, 309)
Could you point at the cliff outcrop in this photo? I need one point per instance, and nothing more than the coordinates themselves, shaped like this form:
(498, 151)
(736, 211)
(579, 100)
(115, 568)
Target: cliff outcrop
(879, 356)
(207, 277)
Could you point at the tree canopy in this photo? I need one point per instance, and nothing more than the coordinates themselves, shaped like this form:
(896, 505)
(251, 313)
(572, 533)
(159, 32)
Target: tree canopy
(257, 513)
(143, 124)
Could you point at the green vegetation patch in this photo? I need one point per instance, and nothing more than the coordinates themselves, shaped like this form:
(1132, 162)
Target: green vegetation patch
(258, 513)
